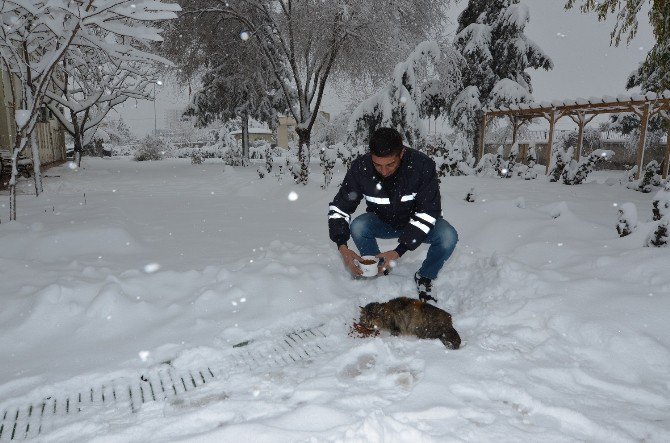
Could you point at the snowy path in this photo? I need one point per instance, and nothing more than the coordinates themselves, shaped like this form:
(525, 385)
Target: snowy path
(564, 323)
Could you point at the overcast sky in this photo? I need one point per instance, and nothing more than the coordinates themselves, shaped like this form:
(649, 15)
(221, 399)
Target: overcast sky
(585, 65)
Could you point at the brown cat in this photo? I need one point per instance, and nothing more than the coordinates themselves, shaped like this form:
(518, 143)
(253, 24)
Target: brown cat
(409, 316)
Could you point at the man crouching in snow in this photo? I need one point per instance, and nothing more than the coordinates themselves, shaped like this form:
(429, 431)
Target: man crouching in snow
(402, 195)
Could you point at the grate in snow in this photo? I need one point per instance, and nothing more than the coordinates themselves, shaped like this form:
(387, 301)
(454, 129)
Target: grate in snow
(159, 384)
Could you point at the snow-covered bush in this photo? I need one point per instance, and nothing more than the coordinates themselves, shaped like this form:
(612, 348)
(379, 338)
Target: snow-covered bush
(452, 159)
(661, 214)
(559, 159)
(487, 165)
(529, 173)
(196, 159)
(151, 148)
(627, 219)
(650, 177)
(512, 167)
(327, 157)
(471, 196)
(299, 171)
(576, 172)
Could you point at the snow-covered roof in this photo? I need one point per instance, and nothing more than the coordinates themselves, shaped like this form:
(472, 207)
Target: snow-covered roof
(606, 100)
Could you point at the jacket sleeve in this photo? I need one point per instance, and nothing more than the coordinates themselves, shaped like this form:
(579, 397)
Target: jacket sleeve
(427, 209)
(340, 209)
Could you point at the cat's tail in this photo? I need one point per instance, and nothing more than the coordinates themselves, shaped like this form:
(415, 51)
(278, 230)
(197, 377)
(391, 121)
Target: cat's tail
(451, 339)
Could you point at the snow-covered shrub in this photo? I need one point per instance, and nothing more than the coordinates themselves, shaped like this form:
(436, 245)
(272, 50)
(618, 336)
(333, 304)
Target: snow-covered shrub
(660, 237)
(487, 165)
(151, 148)
(196, 159)
(529, 173)
(576, 172)
(661, 214)
(650, 177)
(452, 159)
(627, 219)
(559, 159)
(327, 157)
(471, 196)
(299, 171)
(512, 166)
(266, 168)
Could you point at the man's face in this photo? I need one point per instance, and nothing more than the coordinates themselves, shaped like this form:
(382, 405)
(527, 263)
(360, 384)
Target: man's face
(386, 166)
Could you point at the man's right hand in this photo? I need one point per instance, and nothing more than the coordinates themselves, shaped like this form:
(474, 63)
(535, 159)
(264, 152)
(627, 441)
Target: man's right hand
(348, 256)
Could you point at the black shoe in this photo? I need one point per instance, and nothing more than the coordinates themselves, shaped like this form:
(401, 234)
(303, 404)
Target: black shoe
(424, 287)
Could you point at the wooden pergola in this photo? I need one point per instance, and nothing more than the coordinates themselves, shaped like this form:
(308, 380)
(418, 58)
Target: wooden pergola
(582, 111)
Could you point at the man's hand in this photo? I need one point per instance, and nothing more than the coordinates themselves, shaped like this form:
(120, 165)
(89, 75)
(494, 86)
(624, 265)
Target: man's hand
(387, 260)
(348, 256)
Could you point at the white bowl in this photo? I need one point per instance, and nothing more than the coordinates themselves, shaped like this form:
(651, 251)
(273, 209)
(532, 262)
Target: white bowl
(369, 270)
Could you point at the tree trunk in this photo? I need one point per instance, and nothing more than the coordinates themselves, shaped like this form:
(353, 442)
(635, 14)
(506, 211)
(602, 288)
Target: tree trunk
(245, 138)
(478, 140)
(37, 167)
(304, 137)
(303, 154)
(78, 137)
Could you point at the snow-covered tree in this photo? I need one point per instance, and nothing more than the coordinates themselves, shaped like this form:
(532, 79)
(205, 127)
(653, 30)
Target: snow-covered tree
(37, 36)
(234, 79)
(491, 38)
(118, 130)
(627, 219)
(653, 74)
(576, 172)
(307, 43)
(512, 166)
(529, 172)
(411, 95)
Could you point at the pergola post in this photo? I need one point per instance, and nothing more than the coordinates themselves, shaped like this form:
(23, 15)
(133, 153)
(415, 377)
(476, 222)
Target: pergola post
(482, 136)
(643, 139)
(550, 141)
(580, 138)
(666, 154)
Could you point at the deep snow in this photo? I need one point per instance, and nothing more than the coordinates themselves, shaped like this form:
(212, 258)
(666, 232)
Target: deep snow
(122, 266)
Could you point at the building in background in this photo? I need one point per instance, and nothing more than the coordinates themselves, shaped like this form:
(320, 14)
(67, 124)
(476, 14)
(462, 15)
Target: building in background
(49, 133)
(286, 129)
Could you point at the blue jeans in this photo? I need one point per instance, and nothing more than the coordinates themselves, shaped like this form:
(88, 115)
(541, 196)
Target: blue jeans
(367, 228)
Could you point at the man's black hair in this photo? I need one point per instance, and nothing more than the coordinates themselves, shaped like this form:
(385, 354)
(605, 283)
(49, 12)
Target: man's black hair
(385, 142)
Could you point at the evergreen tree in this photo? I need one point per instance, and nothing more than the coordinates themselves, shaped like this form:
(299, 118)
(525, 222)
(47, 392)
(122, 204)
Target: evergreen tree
(491, 38)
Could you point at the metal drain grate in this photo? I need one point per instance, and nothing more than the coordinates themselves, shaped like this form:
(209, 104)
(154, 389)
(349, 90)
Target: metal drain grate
(159, 384)
(123, 395)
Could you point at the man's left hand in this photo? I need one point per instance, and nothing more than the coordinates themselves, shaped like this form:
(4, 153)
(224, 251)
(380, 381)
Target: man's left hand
(387, 260)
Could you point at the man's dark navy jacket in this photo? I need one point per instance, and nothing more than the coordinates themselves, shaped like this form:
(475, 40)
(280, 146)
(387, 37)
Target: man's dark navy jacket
(408, 200)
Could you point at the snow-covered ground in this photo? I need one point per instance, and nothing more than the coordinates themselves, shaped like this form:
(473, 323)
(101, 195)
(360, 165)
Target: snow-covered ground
(126, 270)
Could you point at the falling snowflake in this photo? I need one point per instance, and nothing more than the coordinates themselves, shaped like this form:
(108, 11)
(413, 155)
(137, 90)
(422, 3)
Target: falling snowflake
(292, 196)
(379, 186)
(151, 267)
(244, 35)
(144, 355)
